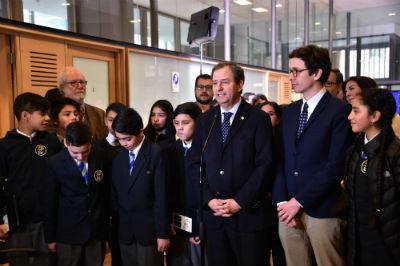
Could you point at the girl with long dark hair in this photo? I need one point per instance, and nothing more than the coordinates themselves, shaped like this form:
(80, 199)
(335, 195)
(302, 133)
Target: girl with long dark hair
(373, 182)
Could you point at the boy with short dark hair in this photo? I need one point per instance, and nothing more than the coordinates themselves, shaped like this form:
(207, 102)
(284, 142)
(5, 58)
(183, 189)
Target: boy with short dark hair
(63, 111)
(23, 152)
(139, 193)
(77, 200)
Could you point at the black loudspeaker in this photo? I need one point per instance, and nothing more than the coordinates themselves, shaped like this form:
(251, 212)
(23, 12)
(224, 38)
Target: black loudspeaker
(203, 26)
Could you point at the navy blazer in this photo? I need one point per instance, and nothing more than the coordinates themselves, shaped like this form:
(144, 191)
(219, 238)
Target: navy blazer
(313, 165)
(239, 169)
(76, 212)
(141, 198)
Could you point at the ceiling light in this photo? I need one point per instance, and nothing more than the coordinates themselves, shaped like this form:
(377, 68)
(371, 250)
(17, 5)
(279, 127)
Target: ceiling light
(65, 4)
(392, 14)
(259, 9)
(278, 5)
(338, 32)
(135, 21)
(317, 23)
(242, 2)
(221, 11)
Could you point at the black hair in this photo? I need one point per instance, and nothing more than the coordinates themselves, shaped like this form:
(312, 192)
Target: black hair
(165, 106)
(277, 108)
(128, 121)
(201, 76)
(314, 58)
(191, 109)
(365, 83)
(30, 102)
(78, 134)
(339, 75)
(237, 71)
(53, 95)
(116, 107)
(58, 104)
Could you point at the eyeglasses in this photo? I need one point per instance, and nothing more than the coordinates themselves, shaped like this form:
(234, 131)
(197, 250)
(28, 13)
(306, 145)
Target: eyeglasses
(295, 72)
(330, 83)
(75, 83)
(202, 87)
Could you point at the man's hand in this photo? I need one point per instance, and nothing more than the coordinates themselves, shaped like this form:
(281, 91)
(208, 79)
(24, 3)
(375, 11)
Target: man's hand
(4, 230)
(216, 206)
(52, 247)
(230, 207)
(162, 244)
(195, 240)
(288, 210)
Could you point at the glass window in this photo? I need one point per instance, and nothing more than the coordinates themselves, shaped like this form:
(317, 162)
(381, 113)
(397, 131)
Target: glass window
(319, 23)
(141, 26)
(49, 13)
(166, 33)
(290, 30)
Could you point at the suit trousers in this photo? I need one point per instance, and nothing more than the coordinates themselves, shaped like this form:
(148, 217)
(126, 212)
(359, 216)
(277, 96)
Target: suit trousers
(31, 238)
(88, 254)
(135, 254)
(234, 248)
(323, 237)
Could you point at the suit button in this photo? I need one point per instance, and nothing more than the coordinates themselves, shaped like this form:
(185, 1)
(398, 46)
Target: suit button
(221, 172)
(218, 193)
(296, 173)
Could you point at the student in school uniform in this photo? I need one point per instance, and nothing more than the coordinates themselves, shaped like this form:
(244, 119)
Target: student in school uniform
(139, 194)
(63, 111)
(185, 244)
(23, 152)
(77, 200)
(111, 147)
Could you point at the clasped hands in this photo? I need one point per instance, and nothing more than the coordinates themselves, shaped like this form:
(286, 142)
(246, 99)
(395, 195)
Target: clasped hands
(288, 211)
(224, 207)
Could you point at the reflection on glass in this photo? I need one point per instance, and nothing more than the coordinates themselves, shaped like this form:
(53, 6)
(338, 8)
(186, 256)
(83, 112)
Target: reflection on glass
(48, 13)
(166, 33)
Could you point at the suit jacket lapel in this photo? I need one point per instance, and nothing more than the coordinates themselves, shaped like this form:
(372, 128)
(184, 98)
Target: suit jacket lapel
(139, 164)
(70, 165)
(317, 111)
(294, 121)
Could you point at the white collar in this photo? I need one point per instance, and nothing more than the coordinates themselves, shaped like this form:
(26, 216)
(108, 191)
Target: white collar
(137, 149)
(26, 135)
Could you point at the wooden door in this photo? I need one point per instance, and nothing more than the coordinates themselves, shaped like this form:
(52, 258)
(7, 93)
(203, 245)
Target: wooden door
(6, 86)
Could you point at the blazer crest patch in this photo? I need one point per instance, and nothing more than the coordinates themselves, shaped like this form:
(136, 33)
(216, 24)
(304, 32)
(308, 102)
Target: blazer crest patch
(98, 175)
(40, 150)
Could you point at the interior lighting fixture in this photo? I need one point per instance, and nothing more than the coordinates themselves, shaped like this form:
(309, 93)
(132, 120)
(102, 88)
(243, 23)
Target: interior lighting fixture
(391, 14)
(259, 9)
(242, 2)
(65, 4)
(278, 5)
(317, 23)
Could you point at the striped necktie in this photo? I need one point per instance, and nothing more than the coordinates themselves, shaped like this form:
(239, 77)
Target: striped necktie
(84, 172)
(302, 120)
(226, 124)
(131, 161)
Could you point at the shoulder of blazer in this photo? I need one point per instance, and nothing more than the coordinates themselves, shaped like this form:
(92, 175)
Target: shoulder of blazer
(95, 110)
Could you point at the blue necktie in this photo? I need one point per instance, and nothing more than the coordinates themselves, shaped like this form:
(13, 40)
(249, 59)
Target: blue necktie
(131, 161)
(302, 120)
(185, 150)
(84, 172)
(226, 125)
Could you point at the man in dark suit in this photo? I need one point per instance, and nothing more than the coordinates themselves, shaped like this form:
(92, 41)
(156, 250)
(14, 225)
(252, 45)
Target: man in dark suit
(77, 200)
(72, 84)
(315, 135)
(234, 140)
(139, 193)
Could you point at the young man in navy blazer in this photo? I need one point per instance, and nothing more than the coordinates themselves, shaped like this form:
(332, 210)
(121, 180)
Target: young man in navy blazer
(139, 194)
(233, 140)
(315, 135)
(77, 200)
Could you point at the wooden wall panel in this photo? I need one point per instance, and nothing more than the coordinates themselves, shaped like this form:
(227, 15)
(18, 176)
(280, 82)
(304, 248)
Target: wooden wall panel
(6, 88)
(41, 61)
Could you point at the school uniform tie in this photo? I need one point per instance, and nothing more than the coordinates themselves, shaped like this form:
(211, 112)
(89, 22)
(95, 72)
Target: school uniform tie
(131, 161)
(84, 172)
(185, 151)
(302, 120)
(226, 124)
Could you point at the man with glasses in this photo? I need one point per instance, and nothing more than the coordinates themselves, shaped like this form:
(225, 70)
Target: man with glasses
(334, 83)
(72, 84)
(315, 135)
(203, 92)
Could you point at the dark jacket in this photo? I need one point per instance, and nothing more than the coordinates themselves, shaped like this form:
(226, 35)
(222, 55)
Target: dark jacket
(76, 212)
(140, 198)
(387, 219)
(313, 165)
(239, 169)
(22, 175)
